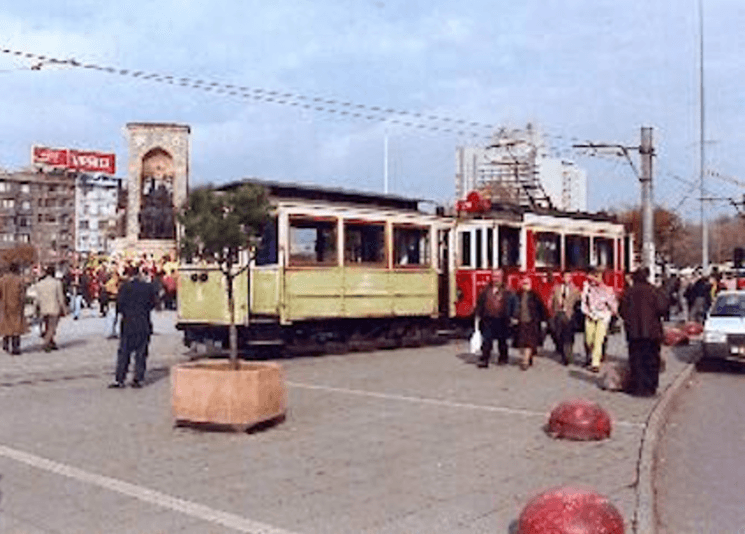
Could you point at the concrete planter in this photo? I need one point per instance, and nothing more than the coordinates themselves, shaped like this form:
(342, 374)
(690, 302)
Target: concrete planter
(213, 392)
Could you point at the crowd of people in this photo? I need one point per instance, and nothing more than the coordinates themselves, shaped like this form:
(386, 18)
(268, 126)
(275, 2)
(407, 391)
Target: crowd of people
(691, 296)
(594, 309)
(124, 290)
(97, 281)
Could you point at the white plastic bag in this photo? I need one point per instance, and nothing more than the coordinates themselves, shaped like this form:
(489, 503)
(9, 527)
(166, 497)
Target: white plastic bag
(475, 342)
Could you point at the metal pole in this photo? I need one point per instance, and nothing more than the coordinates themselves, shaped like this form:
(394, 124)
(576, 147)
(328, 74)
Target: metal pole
(702, 155)
(647, 151)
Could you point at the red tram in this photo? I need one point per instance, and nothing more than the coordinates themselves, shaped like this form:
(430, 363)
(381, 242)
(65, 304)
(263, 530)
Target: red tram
(539, 244)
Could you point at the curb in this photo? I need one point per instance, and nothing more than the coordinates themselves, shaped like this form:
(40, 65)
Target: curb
(645, 516)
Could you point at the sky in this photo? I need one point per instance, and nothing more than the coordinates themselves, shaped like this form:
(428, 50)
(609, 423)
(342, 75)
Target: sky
(578, 70)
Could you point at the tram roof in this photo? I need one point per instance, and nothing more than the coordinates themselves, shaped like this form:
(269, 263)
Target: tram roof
(328, 194)
(516, 210)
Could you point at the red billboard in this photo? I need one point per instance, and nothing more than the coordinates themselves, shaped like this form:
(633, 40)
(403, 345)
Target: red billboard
(74, 160)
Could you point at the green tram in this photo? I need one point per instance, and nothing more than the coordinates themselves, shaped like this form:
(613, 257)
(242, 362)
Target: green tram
(334, 271)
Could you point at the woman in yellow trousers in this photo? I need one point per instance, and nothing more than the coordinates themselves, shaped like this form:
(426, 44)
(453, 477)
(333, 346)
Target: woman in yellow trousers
(599, 304)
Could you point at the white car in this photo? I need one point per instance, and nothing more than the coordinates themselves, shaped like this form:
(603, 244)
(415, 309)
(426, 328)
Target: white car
(724, 328)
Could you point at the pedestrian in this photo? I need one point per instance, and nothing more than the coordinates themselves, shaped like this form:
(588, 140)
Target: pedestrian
(642, 308)
(135, 301)
(169, 285)
(12, 302)
(494, 308)
(564, 297)
(700, 297)
(599, 304)
(102, 276)
(529, 314)
(76, 284)
(111, 289)
(52, 306)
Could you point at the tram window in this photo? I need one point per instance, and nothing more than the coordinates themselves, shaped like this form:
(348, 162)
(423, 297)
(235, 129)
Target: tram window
(411, 246)
(266, 254)
(547, 250)
(604, 252)
(490, 247)
(465, 249)
(509, 246)
(312, 242)
(479, 262)
(577, 252)
(364, 243)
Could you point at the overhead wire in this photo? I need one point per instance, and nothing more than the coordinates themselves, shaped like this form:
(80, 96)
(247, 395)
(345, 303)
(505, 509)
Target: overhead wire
(409, 119)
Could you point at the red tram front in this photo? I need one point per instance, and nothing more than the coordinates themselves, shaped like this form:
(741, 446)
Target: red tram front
(540, 245)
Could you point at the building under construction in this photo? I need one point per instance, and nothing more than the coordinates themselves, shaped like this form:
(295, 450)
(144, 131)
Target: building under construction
(514, 168)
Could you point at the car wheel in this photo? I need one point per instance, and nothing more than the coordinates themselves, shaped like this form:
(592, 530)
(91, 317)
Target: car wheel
(705, 362)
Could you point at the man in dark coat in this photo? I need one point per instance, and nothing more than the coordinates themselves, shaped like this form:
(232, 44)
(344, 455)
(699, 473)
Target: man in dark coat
(699, 299)
(494, 308)
(642, 308)
(134, 302)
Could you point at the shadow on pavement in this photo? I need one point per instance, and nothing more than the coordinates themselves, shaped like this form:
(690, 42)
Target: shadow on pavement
(706, 365)
(39, 346)
(585, 376)
(469, 358)
(688, 353)
(155, 374)
(222, 428)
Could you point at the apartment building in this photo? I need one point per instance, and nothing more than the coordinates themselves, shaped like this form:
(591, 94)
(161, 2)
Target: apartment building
(99, 213)
(38, 208)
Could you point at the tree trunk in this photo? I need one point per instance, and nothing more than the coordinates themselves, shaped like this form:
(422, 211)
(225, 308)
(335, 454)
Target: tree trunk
(232, 329)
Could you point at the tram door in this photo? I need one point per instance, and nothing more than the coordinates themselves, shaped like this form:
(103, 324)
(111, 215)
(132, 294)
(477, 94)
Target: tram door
(443, 255)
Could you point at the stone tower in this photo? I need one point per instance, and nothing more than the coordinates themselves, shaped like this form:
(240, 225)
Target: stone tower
(158, 184)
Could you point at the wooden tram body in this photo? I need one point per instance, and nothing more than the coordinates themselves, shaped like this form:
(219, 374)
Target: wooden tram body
(336, 270)
(339, 270)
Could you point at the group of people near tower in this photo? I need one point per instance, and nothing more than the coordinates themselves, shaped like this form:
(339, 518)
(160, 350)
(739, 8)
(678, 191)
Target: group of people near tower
(131, 294)
(520, 315)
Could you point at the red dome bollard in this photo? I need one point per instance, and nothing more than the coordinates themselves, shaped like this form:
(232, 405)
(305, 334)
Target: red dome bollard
(580, 420)
(693, 328)
(675, 336)
(568, 510)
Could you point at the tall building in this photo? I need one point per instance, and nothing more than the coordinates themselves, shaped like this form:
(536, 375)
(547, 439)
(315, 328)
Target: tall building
(514, 168)
(564, 182)
(38, 208)
(99, 214)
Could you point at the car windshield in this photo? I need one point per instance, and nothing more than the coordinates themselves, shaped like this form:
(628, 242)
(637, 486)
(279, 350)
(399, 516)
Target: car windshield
(732, 305)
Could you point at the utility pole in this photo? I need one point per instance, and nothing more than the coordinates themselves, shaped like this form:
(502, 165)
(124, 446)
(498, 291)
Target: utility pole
(646, 151)
(702, 155)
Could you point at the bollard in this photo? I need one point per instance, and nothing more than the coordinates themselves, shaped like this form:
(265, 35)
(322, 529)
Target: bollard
(674, 336)
(569, 510)
(580, 420)
(693, 328)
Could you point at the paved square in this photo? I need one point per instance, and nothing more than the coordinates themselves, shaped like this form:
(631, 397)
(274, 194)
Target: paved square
(404, 441)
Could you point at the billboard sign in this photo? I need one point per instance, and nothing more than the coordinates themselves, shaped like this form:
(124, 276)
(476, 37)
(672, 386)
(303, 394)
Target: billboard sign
(74, 160)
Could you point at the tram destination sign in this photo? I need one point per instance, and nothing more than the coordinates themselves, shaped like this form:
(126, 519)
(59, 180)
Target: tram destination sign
(74, 160)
